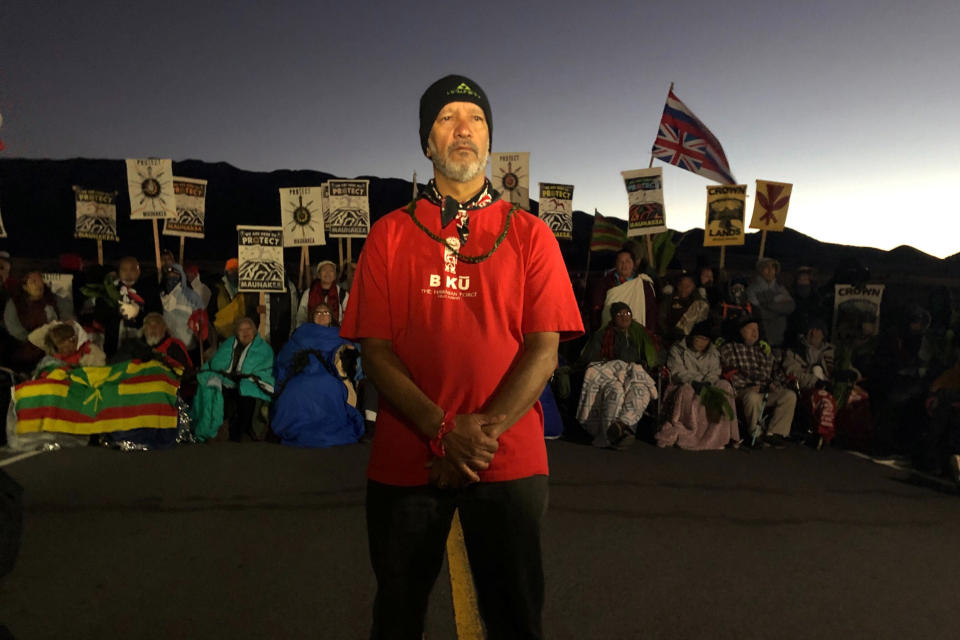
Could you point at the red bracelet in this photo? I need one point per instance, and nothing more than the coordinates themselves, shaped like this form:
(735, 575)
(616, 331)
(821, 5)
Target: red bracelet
(436, 443)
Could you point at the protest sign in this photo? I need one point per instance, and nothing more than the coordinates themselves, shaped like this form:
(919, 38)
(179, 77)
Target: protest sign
(301, 213)
(96, 214)
(856, 312)
(510, 175)
(260, 254)
(150, 182)
(645, 198)
(190, 196)
(556, 208)
(725, 215)
(349, 202)
(770, 208)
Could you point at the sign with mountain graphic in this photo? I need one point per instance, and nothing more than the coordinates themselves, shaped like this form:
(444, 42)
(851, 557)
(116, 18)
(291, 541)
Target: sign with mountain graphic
(96, 214)
(260, 254)
(725, 215)
(349, 208)
(191, 197)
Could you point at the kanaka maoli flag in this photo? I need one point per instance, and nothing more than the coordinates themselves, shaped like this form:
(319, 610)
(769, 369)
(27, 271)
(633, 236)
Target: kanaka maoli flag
(686, 142)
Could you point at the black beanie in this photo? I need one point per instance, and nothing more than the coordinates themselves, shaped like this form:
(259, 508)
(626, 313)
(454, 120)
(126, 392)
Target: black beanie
(444, 91)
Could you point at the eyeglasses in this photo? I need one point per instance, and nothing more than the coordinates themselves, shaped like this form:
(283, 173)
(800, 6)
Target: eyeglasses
(624, 314)
(323, 313)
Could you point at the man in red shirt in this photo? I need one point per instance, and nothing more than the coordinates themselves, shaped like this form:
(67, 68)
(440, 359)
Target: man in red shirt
(459, 303)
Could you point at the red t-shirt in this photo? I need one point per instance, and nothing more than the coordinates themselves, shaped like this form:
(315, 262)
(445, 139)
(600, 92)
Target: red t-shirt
(458, 327)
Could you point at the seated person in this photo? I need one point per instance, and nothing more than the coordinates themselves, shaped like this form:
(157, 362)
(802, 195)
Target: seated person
(616, 388)
(155, 343)
(810, 363)
(322, 315)
(315, 404)
(138, 296)
(682, 309)
(30, 307)
(701, 411)
(239, 375)
(324, 289)
(758, 380)
(65, 344)
(732, 309)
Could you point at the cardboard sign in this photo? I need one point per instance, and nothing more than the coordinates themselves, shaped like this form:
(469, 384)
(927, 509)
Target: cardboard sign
(645, 196)
(260, 254)
(725, 215)
(301, 212)
(96, 214)
(770, 208)
(556, 208)
(150, 182)
(510, 175)
(191, 199)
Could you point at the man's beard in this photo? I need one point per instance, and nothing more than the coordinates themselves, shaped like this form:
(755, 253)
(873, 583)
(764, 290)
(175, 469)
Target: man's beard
(456, 171)
(153, 340)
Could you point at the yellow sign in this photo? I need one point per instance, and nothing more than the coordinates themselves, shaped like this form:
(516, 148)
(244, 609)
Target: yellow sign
(770, 208)
(725, 215)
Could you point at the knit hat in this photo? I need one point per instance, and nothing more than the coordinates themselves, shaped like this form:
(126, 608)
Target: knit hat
(323, 262)
(232, 265)
(704, 328)
(449, 89)
(764, 261)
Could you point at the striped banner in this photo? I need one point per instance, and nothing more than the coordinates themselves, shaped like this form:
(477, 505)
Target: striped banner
(606, 236)
(87, 400)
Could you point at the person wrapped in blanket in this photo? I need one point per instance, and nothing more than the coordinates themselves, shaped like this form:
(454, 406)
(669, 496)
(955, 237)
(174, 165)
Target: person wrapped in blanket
(701, 412)
(315, 403)
(236, 384)
(616, 387)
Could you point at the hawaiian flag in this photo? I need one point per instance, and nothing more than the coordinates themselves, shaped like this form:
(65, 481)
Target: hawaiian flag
(89, 400)
(686, 142)
(606, 236)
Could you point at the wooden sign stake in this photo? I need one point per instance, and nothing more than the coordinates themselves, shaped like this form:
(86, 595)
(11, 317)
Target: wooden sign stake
(723, 256)
(183, 241)
(99, 252)
(264, 325)
(763, 241)
(156, 248)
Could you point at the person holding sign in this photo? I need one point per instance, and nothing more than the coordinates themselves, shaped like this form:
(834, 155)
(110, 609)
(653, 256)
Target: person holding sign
(459, 303)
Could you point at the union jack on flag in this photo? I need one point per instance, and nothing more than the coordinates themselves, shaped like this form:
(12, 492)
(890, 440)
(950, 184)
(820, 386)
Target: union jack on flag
(686, 142)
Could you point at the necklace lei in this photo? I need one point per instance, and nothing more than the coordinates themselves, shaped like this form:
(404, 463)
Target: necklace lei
(461, 256)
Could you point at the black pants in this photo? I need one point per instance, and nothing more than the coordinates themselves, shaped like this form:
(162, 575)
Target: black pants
(238, 409)
(407, 529)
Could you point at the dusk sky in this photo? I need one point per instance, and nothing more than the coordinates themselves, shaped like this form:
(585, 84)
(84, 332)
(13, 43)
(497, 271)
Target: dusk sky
(857, 103)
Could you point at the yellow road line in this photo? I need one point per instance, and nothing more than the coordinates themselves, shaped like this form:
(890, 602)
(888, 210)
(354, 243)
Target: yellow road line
(465, 611)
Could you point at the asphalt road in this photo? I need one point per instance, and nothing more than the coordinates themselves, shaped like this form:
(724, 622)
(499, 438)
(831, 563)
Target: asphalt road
(260, 541)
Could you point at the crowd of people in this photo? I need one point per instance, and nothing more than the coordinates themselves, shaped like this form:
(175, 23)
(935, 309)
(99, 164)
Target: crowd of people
(700, 360)
(246, 367)
(710, 360)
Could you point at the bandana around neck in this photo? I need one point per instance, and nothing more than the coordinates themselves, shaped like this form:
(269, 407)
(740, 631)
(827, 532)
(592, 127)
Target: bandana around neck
(450, 208)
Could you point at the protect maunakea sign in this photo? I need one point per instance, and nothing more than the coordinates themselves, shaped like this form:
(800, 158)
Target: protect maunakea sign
(556, 208)
(260, 254)
(770, 207)
(96, 214)
(645, 199)
(301, 212)
(150, 182)
(510, 175)
(191, 203)
(856, 312)
(725, 215)
(349, 202)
